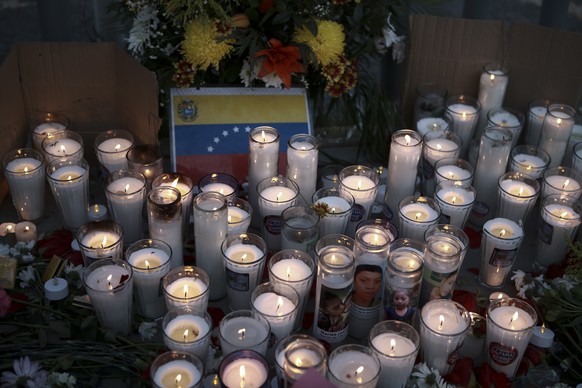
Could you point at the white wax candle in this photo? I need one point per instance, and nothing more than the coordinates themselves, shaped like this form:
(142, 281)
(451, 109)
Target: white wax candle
(415, 218)
(243, 270)
(556, 131)
(542, 337)
(508, 337)
(63, 147)
(25, 231)
(353, 368)
(279, 310)
(112, 153)
(464, 121)
(531, 165)
(6, 228)
(504, 118)
(244, 372)
(561, 184)
(492, 87)
(97, 212)
(431, 124)
(126, 197)
(170, 232)
(273, 200)
(26, 180)
(43, 130)
(455, 204)
(186, 291)
(188, 333)
(302, 157)
(559, 223)
(100, 244)
(535, 121)
(238, 220)
(177, 373)
(149, 267)
(452, 173)
(218, 187)
(392, 349)
(278, 195)
(243, 333)
(336, 220)
(516, 198)
(502, 238)
(111, 304)
(69, 185)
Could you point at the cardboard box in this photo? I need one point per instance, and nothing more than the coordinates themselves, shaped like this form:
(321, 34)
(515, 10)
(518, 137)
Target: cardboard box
(97, 86)
(543, 62)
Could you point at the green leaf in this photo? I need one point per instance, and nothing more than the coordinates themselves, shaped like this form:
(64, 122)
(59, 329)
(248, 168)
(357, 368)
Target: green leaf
(358, 13)
(311, 25)
(281, 18)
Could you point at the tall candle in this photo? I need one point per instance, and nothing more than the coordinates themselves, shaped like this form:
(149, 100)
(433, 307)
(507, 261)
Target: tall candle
(278, 303)
(434, 149)
(150, 262)
(456, 201)
(509, 328)
(263, 163)
(244, 259)
(302, 157)
(517, 196)
(535, 120)
(556, 130)
(442, 331)
(492, 87)
(109, 283)
(405, 151)
(24, 172)
(275, 195)
(69, 182)
(164, 209)
(501, 241)
(464, 112)
(126, 196)
(184, 184)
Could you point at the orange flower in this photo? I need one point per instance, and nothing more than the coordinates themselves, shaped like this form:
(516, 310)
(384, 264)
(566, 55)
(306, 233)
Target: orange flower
(284, 61)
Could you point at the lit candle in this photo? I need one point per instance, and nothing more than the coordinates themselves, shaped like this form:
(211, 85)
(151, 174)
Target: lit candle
(509, 329)
(353, 365)
(126, 196)
(442, 331)
(278, 304)
(164, 210)
(244, 259)
(339, 204)
(25, 176)
(186, 188)
(434, 149)
(6, 228)
(177, 373)
(431, 125)
(517, 196)
(244, 329)
(25, 231)
(239, 218)
(69, 182)
(186, 287)
(246, 370)
(535, 120)
(302, 157)
(556, 130)
(453, 169)
(47, 128)
(416, 214)
(455, 201)
(63, 144)
(561, 180)
(275, 195)
(492, 87)
(150, 262)
(464, 111)
(405, 151)
(100, 239)
(109, 283)
(507, 118)
(97, 212)
(187, 331)
(529, 160)
(542, 337)
(501, 241)
(112, 147)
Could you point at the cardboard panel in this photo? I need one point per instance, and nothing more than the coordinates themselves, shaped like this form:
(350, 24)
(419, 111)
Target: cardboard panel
(543, 62)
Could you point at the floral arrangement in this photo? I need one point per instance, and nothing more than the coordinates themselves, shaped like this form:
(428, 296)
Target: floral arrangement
(328, 47)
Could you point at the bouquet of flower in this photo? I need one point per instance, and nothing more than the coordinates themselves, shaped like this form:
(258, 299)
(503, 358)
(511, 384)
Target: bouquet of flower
(328, 47)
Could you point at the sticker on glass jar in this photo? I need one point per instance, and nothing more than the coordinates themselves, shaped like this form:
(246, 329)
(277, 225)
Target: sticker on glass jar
(237, 281)
(502, 257)
(546, 232)
(273, 224)
(358, 213)
(400, 304)
(436, 285)
(333, 312)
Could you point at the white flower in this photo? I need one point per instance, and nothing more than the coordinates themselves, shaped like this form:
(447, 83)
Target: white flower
(26, 374)
(26, 275)
(74, 274)
(249, 72)
(389, 38)
(518, 278)
(426, 377)
(272, 81)
(57, 379)
(399, 51)
(21, 250)
(564, 282)
(147, 330)
(143, 30)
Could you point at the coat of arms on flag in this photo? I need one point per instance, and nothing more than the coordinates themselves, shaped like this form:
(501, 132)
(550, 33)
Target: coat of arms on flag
(210, 126)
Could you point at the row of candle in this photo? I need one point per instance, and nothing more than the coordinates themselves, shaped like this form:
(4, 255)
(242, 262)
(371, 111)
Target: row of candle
(387, 361)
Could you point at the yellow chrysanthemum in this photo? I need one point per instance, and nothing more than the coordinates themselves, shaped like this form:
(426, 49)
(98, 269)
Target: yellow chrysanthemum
(203, 46)
(328, 45)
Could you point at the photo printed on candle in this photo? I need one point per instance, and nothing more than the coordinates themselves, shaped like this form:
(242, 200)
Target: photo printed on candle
(333, 310)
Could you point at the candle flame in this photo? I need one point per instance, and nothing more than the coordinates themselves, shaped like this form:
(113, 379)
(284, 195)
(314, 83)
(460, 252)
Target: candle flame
(360, 182)
(298, 362)
(453, 200)
(25, 169)
(185, 290)
(439, 148)
(333, 209)
(178, 378)
(104, 242)
(529, 167)
(502, 233)
(117, 147)
(464, 114)
(559, 121)
(519, 194)
(96, 208)
(500, 296)
(109, 281)
(221, 191)
(215, 380)
(175, 182)
(333, 259)
(9, 228)
(543, 328)
(263, 136)
(185, 334)
(407, 139)
(229, 219)
(564, 214)
(69, 177)
(392, 346)
(441, 321)
(417, 215)
(126, 188)
(26, 228)
(566, 183)
(492, 77)
(288, 272)
(241, 333)
(279, 194)
(63, 150)
(147, 264)
(243, 257)
(513, 317)
(242, 374)
(451, 175)
(358, 371)
(279, 305)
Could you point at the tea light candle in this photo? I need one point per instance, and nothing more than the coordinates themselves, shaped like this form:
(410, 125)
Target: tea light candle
(442, 331)
(509, 329)
(25, 231)
(56, 289)
(542, 337)
(97, 212)
(112, 153)
(501, 241)
(6, 228)
(177, 373)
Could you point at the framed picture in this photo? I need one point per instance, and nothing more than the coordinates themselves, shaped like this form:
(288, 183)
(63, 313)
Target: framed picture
(210, 126)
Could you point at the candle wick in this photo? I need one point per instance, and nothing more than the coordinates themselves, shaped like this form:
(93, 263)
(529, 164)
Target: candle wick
(241, 333)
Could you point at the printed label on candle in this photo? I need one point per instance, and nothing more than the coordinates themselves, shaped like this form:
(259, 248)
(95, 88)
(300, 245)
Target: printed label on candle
(427, 169)
(333, 316)
(367, 290)
(400, 304)
(502, 354)
(436, 285)
(358, 213)
(273, 224)
(236, 281)
(480, 209)
(502, 257)
(546, 231)
(445, 219)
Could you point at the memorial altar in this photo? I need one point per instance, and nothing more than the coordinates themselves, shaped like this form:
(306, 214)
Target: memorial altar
(448, 263)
